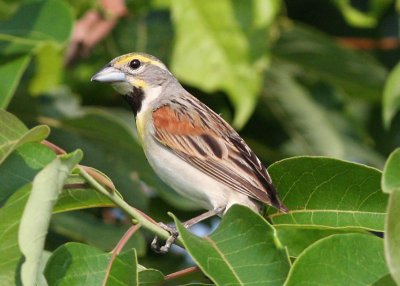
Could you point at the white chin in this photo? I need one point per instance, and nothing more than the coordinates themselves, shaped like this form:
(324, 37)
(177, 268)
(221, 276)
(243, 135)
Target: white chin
(122, 87)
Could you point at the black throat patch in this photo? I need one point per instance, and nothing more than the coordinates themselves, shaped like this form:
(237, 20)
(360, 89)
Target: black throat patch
(135, 99)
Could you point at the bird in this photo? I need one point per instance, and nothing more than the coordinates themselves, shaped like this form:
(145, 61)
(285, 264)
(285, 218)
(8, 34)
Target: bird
(188, 145)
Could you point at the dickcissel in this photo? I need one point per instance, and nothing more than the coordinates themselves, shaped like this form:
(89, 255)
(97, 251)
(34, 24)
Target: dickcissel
(188, 145)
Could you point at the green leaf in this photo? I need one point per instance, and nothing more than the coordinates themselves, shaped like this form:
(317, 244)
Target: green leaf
(22, 166)
(14, 133)
(49, 67)
(359, 75)
(296, 239)
(79, 264)
(391, 96)
(245, 248)
(10, 76)
(304, 119)
(202, 27)
(342, 259)
(46, 187)
(391, 173)
(74, 197)
(391, 185)
(10, 215)
(386, 280)
(328, 193)
(84, 227)
(35, 22)
(392, 236)
(357, 18)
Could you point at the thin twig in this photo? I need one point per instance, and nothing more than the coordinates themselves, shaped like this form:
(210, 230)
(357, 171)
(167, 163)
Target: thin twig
(117, 250)
(182, 272)
(146, 222)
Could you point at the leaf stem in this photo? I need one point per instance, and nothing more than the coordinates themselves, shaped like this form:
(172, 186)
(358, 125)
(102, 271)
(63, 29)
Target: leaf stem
(144, 220)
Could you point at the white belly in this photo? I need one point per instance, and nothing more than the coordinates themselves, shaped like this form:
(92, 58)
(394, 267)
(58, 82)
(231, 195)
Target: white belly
(191, 182)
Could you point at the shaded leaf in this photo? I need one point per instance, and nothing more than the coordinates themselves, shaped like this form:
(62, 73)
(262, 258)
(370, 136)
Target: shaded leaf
(357, 257)
(304, 119)
(10, 76)
(328, 193)
(79, 264)
(245, 248)
(84, 227)
(358, 74)
(22, 166)
(46, 187)
(391, 96)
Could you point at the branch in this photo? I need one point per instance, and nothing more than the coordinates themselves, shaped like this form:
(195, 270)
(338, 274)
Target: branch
(144, 220)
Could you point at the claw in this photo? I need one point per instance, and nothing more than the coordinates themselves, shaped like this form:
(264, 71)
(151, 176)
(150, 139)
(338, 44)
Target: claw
(171, 239)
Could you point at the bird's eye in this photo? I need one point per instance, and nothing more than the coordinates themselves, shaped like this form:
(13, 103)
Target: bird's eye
(135, 64)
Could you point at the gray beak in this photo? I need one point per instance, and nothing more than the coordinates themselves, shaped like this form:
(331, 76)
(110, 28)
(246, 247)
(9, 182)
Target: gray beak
(109, 75)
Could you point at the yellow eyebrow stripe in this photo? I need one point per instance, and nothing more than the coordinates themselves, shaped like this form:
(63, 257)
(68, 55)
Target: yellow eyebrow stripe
(141, 58)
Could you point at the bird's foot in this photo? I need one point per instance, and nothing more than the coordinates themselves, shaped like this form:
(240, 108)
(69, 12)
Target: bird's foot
(155, 245)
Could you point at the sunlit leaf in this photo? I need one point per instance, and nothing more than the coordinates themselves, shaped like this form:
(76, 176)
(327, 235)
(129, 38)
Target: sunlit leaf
(35, 220)
(49, 68)
(328, 193)
(10, 75)
(14, 133)
(200, 28)
(244, 248)
(357, 257)
(391, 185)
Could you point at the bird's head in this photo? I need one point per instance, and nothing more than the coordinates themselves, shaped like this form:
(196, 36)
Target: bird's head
(136, 76)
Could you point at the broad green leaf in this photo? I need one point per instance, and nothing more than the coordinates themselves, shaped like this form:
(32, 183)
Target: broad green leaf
(304, 119)
(386, 280)
(328, 193)
(317, 54)
(74, 198)
(341, 259)
(244, 248)
(391, 173)
(112, 134)
(391, 96)
(10, 215)
(21, 167)
(296, 239)
(392, 236)
(10, 75)
(204, 26)
(14, 133)
(49, 67)
(84, 227)
(35, 220)
(80, 264)
(33, 23)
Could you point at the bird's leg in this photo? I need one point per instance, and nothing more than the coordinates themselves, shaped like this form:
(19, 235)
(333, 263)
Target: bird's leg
(174, 232)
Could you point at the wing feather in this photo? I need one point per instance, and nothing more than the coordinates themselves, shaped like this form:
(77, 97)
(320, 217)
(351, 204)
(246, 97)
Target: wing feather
(203, 139)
